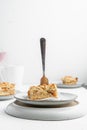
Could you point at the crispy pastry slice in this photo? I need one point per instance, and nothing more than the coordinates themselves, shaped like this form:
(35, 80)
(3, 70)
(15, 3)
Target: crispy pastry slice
(42, 91)
(7, 88)
(69, 80)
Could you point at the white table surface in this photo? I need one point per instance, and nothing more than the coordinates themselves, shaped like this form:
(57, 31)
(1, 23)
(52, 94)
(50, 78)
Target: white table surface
(11, 123)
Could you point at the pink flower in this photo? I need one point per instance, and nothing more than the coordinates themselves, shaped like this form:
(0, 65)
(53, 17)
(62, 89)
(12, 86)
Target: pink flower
(2, 55)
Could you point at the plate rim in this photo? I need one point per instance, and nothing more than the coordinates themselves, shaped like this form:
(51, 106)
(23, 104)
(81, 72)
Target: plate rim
(46, 101)
(7, 97)
(60, 85)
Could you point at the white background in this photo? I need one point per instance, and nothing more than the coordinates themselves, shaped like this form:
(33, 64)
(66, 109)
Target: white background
(63, 24)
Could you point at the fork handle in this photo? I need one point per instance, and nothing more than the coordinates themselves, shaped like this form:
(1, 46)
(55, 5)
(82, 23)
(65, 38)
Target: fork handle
(43, 51)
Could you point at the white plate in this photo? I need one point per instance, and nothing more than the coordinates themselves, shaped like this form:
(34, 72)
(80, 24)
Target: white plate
(60, 85)
(8, 97)
(64, 98)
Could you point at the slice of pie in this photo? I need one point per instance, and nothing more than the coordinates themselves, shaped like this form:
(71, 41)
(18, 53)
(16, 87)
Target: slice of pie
(7, 89)
(42, 91)
(69, 80)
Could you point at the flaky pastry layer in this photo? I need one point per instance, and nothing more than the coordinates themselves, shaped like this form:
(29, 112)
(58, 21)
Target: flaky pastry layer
(7, 88)
(42, 91)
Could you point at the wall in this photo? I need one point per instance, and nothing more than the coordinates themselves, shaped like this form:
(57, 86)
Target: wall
(63, 24)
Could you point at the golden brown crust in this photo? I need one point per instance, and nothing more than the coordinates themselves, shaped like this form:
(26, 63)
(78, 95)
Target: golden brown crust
(7, 88)
(69, 80)
(42, 91)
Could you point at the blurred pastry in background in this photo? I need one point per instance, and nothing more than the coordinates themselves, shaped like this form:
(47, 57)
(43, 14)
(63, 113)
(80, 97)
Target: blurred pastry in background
(69, 80)
(42, 91)
(7, 89)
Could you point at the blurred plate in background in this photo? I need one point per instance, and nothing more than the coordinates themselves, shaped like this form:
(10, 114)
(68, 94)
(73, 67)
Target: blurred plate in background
(60, 85)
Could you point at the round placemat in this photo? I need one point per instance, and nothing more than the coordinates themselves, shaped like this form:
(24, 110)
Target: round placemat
(69, 111)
